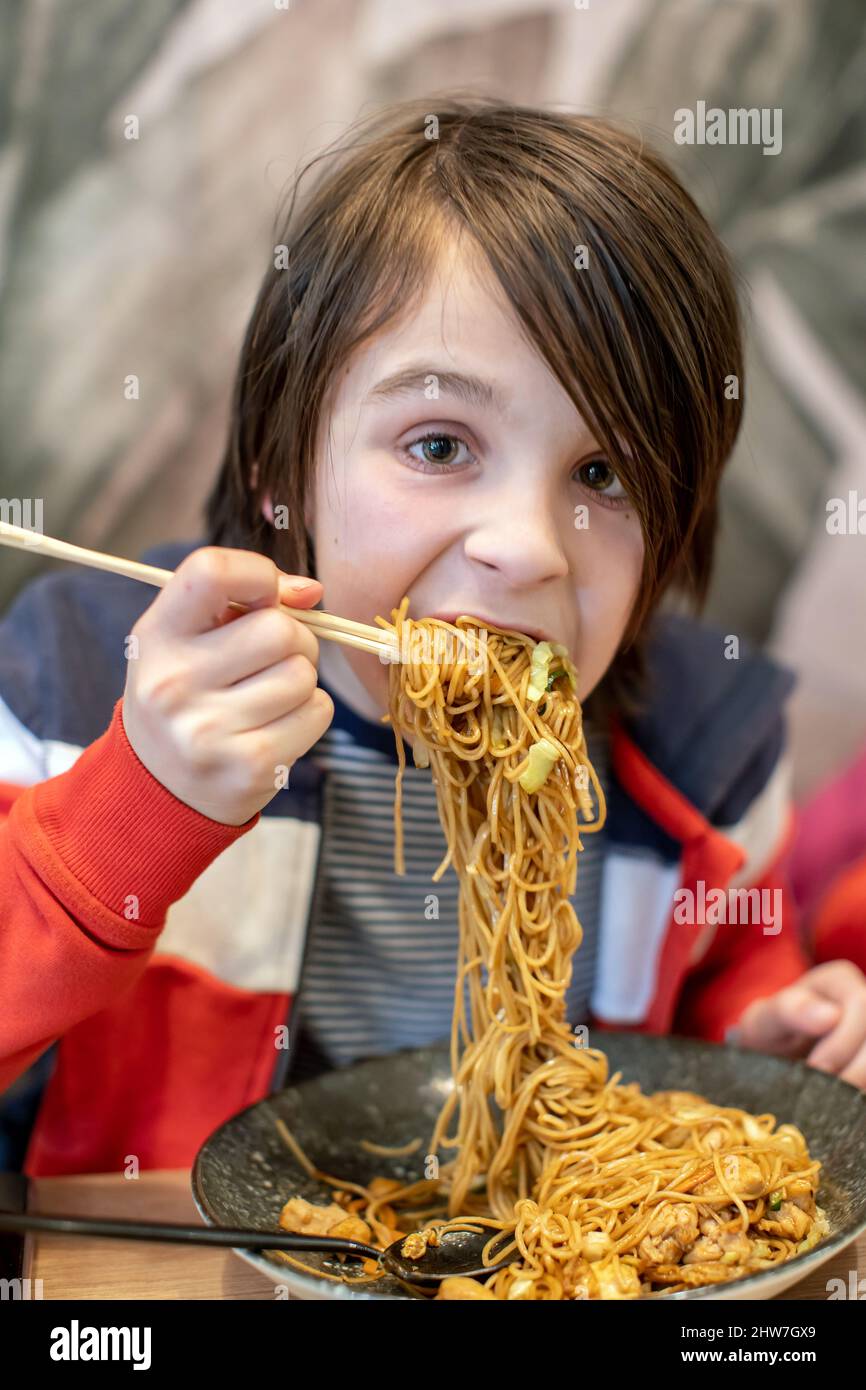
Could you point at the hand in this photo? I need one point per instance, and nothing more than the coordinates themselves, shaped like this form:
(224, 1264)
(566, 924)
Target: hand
(216, 702)
(828, 1003)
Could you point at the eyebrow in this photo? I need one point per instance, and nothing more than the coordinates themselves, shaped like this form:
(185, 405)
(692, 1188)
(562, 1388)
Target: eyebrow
(474, 390)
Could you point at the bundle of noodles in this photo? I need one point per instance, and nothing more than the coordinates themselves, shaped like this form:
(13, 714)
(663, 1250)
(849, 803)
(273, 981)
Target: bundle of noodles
(510, 773)
(606, 1192)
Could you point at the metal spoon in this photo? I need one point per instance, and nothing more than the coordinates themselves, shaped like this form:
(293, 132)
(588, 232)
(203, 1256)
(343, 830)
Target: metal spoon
(459, 1252)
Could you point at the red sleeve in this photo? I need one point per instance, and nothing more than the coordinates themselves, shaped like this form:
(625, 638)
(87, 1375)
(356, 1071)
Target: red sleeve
(742, 964)
(839, 920)
(90, 863)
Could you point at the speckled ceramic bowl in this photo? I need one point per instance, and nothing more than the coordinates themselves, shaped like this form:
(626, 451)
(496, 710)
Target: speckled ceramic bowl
(244, 1173)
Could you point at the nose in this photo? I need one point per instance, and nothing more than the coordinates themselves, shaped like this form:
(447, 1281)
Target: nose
(520, 537)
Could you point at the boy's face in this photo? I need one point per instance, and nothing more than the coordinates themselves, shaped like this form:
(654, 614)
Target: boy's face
(482, 518)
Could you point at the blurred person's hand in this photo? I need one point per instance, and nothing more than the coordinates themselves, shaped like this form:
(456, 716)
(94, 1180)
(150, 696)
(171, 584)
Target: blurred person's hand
(217, 702)
(827, 1004)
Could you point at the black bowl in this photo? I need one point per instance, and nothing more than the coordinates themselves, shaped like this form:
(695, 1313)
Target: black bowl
(244, 1172)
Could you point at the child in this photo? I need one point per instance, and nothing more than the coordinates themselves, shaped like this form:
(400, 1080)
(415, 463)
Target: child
(496, 366)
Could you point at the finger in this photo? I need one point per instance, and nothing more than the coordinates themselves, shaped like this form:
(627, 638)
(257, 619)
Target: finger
(840, 1045)
(298, 591)
(836, 979)
(855, 1072)
(784, 1018)
(268, 695)
(803, 1011)
(255, 642)
(294, 591)
(301, 728)
(197, 596)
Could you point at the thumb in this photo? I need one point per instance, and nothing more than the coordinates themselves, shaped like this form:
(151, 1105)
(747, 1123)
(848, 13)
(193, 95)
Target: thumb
(783, 1019)
(293, 590)
(299, 591)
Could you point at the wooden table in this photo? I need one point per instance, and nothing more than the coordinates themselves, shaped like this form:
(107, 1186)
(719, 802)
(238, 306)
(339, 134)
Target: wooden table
(74, 1267)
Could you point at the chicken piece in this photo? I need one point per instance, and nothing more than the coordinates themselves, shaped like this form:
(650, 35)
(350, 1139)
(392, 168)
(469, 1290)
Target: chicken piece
(689, 1113)
(457, 1286)
(726, 1247)
(415, 1245)
(712, 1222)
(609, 1279)
(673, 1229)
(740, 1173)
(574, 1277)
(582, 1282)
(790, 1138)
(352, 1228)
(522, 1290)
(801, 1192)
(693, 1276)
(617, 1280)
(596, 1244)
(790, 1222)
(713, 1138)
(306, 1219)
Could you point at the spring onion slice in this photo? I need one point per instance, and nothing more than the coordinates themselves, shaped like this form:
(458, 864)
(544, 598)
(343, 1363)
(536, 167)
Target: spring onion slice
(541, 759)
(420, 753)
(540, 675)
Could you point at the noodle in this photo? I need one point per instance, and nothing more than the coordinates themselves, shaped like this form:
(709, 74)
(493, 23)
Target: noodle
(605, 1192)
(385, 1151)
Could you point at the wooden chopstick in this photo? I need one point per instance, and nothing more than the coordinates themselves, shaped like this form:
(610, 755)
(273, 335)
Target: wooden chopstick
(343, 630)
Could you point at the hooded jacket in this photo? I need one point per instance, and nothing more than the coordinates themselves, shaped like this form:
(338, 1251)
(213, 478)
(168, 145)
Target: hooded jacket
(150, 957)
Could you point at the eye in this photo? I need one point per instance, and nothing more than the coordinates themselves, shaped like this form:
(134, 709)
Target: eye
(599, 477)
(440, 452)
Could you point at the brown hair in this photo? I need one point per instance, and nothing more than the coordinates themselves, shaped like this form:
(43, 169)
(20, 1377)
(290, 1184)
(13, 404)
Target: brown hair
(642, 339)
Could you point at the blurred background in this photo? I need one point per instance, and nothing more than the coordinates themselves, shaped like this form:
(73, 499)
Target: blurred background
(142, 256)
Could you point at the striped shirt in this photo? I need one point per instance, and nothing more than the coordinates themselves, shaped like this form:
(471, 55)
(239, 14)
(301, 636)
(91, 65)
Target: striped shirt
(380, 964)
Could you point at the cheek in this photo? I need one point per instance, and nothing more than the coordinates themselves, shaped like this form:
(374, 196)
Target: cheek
(367, 555)
(357, 511)
(350, 532)
(373, 533)
(629, 559)
(610, 568)
(609, 560)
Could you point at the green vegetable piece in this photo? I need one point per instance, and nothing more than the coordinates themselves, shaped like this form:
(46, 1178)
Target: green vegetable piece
(542, 757)
(542, 655)
(540, 675)
(497, 733)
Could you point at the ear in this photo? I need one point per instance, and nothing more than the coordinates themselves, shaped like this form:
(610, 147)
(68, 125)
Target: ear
(268, 507)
